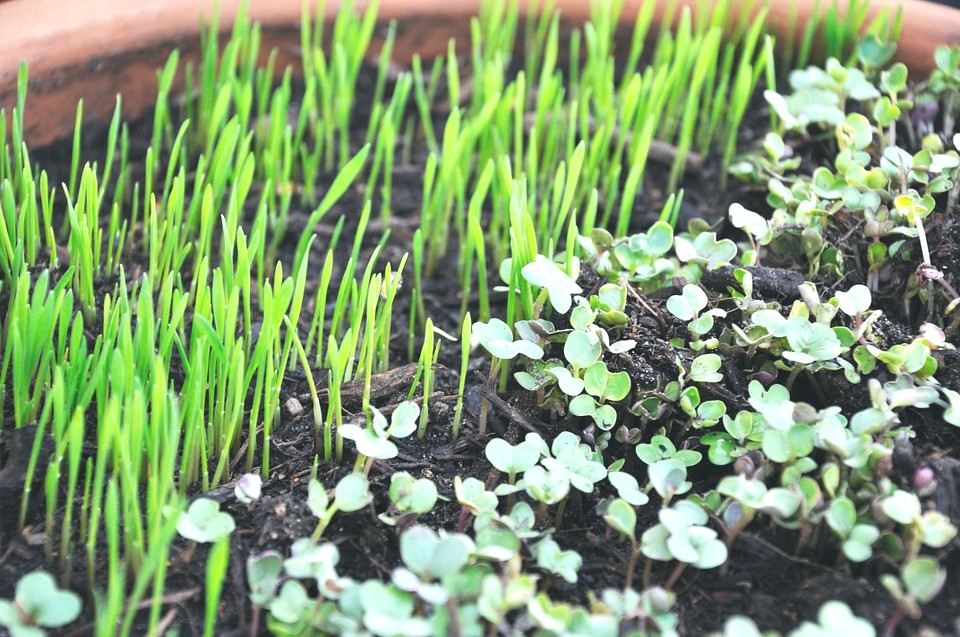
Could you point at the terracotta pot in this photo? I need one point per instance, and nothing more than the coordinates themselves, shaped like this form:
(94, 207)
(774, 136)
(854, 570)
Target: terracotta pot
(95, 48)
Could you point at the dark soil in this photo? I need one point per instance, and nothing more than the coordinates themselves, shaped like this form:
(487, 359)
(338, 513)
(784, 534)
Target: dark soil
(766, 576)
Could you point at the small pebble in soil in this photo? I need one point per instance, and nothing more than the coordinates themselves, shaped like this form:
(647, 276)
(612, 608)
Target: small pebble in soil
(294, 408)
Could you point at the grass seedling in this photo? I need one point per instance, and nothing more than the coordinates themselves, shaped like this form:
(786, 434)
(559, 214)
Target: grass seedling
(16, 161)
(34, 318)
(380, 354)
(417, 308)
(75, 154)
(465, 336)
(366, 356)
(85, 241)
(111, 609)
(477, 241)
(217, 563)
(337, 359)
(339, 186)
(473, 250)
(153, 567)
(425, 371)
(423, 104)
(73, 441)
(320, 306)
(709, 50)
(162, 118)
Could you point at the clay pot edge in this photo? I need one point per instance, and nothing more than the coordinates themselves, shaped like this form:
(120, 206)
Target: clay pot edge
(88, 48)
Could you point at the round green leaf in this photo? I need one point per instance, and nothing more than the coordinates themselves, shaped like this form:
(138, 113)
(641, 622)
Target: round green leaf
(352, 493)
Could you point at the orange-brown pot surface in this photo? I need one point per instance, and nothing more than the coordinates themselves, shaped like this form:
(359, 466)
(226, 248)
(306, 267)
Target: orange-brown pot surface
(92, 49)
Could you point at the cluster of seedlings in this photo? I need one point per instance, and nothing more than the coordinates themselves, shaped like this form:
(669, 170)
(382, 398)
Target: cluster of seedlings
(162, 313)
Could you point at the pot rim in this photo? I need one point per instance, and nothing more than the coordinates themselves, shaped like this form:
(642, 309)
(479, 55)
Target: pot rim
(88, 48)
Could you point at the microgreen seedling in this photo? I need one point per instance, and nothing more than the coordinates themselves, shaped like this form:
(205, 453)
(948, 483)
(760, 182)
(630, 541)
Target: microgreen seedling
(352, 494)
(622, 518)
(497, 337)
(757, 228)
(669, 478)
(688, 305)
(373, 442)
(264, 573)
(558, 286)
(858, 539)
(203, 521)
(309, 560)
(512, 459)
(248, 488)
(409, 497)
(705, 369)
(931, 528)
(921, 580)
(474, 499)
(662, 448)
(553, 559)
(38, 604)
(431, 556)
(681, 535)
(628, 488)
(706, 250)
(835, 618)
